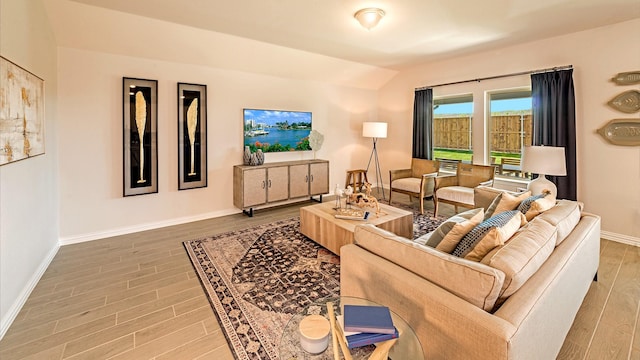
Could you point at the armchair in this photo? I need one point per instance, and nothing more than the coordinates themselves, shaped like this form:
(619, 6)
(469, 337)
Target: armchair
(417, 181)
(457, 190)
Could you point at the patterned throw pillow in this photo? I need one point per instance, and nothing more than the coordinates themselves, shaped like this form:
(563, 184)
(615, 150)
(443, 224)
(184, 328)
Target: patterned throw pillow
(459, 230)
(443, 229)
(505, 202)
(526, 203)
(489, 234)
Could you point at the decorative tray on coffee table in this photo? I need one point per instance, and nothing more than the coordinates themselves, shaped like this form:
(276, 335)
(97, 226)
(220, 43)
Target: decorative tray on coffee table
(351, 214)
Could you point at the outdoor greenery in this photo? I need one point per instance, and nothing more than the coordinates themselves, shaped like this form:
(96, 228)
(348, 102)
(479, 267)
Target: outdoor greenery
(277, 147)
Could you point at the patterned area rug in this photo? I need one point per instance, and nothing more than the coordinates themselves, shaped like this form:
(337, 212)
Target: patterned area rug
(257, 278)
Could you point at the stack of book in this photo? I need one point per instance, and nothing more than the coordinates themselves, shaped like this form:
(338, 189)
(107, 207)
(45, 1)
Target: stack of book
(365, 325)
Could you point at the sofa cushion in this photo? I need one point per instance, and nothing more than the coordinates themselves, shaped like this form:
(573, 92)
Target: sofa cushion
(453, 237)
(505, 202)
(564, 216)
(489, 234)
(433, 238)
(476, 283)
(459, 194)
(521, 256)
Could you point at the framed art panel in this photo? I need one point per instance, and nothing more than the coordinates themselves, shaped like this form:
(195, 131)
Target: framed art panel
(192, 136)
(140, 125)
(21, 113)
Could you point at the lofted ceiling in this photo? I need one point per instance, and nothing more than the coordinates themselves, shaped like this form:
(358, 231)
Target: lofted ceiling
(412, 32)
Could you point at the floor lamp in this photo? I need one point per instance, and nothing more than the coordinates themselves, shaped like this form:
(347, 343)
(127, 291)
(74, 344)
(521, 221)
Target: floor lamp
(375, 130)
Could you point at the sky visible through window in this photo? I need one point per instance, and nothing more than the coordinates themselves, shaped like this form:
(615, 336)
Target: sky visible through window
(496, 106)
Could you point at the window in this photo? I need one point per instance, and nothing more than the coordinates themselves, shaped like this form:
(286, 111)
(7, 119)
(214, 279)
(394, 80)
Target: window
(510, 126)
(452, 130)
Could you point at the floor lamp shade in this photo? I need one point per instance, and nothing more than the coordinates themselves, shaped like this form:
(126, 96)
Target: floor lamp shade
(374, 130)
(543, 160)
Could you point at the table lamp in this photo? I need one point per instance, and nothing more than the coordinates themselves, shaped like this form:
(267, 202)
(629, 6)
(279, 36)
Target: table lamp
(543, 160)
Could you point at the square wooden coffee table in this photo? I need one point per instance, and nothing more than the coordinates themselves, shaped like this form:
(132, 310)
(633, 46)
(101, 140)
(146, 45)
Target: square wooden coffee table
(318, 223)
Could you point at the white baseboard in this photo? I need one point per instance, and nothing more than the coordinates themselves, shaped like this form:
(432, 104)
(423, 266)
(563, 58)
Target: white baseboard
(625, 239)
(142, 227)
(7, 320)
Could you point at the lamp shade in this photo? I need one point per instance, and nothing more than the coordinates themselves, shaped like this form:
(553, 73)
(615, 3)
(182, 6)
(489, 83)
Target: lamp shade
(545, 160)
(374, 129)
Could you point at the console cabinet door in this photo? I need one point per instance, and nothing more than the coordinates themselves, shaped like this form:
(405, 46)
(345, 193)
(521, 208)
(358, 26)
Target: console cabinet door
(299, 180)
(277, 183)
(319, 178)
(254, 187)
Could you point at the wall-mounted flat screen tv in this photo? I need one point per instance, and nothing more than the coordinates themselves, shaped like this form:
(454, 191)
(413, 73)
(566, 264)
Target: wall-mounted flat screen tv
(276, 130)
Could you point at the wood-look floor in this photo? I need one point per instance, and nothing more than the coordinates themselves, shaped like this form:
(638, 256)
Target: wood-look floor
(137, 297)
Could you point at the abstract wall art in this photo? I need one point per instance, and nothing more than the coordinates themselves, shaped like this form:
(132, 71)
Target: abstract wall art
(21, 113)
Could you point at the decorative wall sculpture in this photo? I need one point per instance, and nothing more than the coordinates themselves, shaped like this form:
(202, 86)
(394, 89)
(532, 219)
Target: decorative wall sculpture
(21, 113)
(627, 102)
(624, 132)
(140, 124)
(192, 136)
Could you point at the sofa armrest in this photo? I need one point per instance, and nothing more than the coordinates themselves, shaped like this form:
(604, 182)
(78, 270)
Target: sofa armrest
(447, 180)
(438, 317)
(399, 174)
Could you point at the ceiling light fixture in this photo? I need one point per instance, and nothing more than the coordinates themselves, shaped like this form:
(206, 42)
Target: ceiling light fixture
(369, 17)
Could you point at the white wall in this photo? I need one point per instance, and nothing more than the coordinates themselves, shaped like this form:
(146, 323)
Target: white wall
(28, 188)
(608, 175)
(90, 128)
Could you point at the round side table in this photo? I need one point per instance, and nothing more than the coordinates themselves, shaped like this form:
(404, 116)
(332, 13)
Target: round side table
(407, 347)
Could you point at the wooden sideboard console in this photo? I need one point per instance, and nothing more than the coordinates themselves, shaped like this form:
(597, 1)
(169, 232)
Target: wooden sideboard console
(273, 183)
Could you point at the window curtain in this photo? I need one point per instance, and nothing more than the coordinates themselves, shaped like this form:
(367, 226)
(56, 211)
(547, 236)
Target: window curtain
(554, 122)
(423, 124)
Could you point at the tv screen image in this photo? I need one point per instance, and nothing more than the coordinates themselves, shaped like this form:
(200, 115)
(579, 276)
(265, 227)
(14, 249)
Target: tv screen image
(276, 130)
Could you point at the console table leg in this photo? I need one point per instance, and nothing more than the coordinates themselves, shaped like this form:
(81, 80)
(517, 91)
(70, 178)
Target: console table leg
(248, 213)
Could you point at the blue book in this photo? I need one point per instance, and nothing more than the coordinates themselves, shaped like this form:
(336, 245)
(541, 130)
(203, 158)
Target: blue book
(368, 319)
(364, 339)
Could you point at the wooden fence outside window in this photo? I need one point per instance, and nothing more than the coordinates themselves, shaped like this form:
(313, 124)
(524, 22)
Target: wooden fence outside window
(508, 133)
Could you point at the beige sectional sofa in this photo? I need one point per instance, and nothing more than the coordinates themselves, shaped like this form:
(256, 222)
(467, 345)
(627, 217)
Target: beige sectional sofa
(518, 303)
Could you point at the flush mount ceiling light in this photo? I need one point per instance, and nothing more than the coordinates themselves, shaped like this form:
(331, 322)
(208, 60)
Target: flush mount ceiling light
(369, 17)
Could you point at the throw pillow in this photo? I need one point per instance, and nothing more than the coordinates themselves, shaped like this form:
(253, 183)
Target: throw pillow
(436, 236)
(505, 202)
(525, 205)
(540, 205)
(489, 234)
(459, 230)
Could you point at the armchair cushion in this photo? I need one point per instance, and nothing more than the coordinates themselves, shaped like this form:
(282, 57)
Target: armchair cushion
(459, 194)
(410, 184)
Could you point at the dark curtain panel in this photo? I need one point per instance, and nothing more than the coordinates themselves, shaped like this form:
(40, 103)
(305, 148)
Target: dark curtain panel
(554, 122)
(423, 124)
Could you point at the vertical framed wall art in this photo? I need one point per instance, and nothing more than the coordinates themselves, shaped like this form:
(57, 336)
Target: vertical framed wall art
(192, 136)
(21, 113)
(140, 125)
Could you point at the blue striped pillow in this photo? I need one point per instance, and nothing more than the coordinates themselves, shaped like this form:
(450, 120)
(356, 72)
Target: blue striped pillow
(474, 236)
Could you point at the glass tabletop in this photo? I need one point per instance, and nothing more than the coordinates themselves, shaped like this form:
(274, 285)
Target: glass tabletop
(407, 347)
